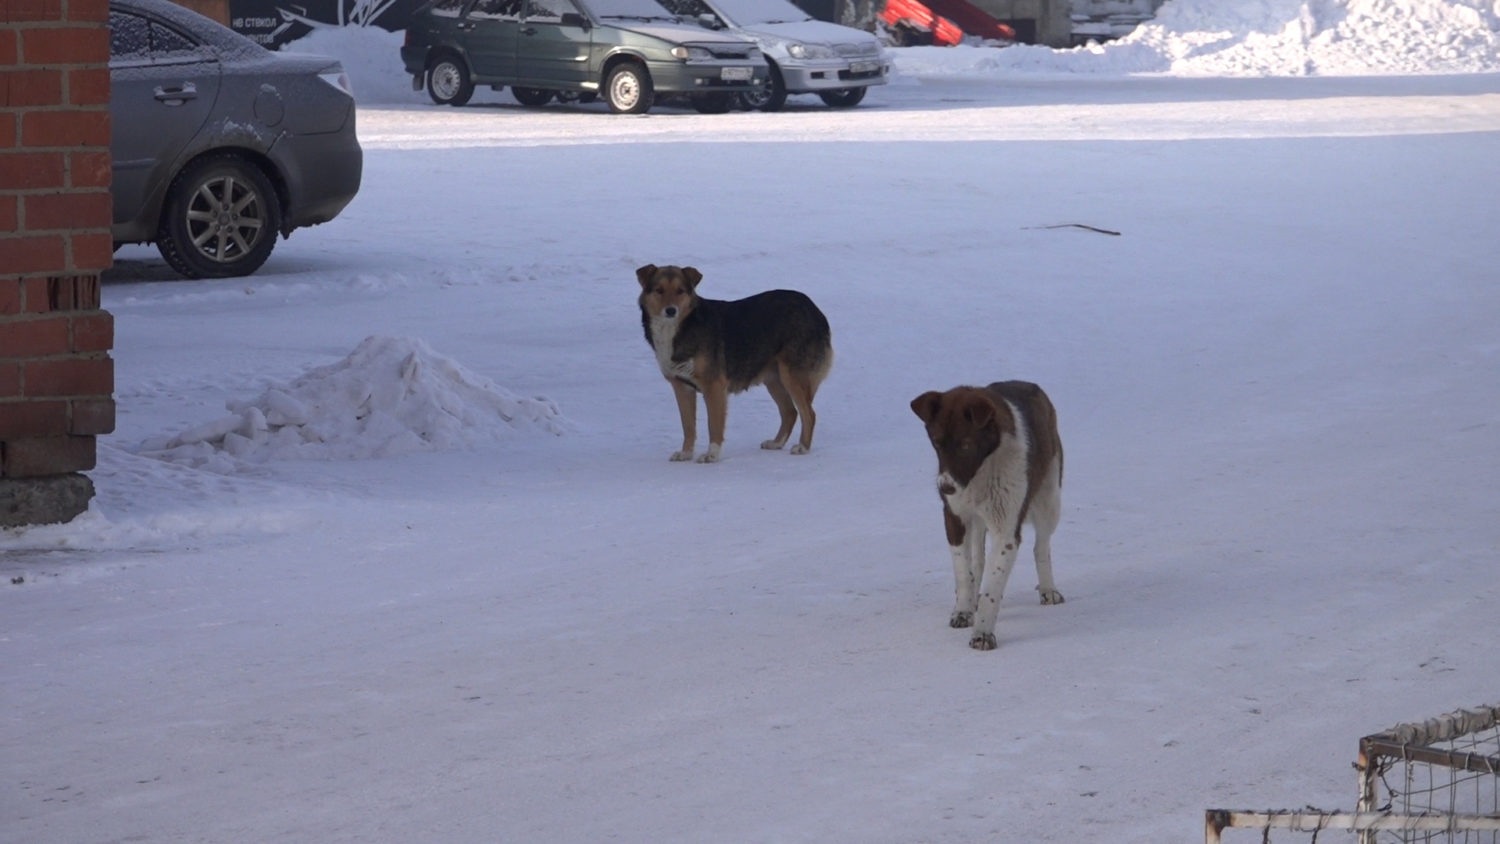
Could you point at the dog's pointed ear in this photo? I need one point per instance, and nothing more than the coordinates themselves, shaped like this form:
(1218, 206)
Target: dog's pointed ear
(926, 405)
(693, 276)
(645, 273)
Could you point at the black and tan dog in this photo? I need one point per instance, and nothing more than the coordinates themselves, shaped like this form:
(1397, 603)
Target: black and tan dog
(778, 338)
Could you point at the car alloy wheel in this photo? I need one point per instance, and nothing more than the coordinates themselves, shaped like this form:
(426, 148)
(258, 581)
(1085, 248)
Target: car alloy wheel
(770, 97)
(220, 220)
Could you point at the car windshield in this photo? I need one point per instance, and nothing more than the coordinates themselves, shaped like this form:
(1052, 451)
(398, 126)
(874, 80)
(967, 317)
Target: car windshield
(646, 10)
(751, 12)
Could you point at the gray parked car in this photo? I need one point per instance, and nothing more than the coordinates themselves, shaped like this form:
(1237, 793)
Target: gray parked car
(628, 51)
(806, 56)
(219, 145)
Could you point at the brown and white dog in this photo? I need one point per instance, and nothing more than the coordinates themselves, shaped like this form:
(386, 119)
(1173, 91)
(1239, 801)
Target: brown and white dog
(778, 338)
(1000, 464)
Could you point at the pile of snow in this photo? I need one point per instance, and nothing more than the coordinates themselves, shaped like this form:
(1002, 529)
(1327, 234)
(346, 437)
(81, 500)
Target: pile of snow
(370, 55)
(1261, 38)
(391, 395)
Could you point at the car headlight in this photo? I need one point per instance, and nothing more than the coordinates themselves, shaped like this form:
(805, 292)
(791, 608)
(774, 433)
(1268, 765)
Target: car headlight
(808, 51)
(691, 54)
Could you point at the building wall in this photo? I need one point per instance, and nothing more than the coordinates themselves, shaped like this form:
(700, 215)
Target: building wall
(213, 9)
(56, 375)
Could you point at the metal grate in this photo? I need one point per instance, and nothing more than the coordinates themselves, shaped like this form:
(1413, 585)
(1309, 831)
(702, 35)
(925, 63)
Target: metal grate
(1448, 765)
(1431, 781)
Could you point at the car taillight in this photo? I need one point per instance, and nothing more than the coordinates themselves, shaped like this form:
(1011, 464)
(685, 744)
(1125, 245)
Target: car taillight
(338, 79)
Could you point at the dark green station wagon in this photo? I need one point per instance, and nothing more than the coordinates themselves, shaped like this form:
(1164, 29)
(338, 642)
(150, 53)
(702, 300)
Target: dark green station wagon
(627, 51)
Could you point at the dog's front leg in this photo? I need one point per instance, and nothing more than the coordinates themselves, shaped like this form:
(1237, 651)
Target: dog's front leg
(965, 575)
(687, 408)
(716, 402)
(996, 573)
(976, 543)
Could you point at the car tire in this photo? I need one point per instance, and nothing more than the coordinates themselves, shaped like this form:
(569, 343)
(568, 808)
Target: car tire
(843, 97)
(769, 98)
(448, 80)
(220, 219)
(713, 103)
(531, 96)
(627, 89)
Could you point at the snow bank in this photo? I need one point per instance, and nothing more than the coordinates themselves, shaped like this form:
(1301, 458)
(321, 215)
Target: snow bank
(1260, 38)
(370, 55)
(391, 395)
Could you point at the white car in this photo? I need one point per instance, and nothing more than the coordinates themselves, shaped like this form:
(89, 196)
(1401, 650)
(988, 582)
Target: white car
(806, 56)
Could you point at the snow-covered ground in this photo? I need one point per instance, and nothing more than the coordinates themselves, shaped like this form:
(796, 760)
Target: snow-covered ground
(492, 610)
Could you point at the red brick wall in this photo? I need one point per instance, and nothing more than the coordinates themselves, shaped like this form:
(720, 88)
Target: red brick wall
(56, 376)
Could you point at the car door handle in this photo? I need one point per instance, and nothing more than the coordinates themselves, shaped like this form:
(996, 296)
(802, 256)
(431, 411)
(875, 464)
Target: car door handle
(465, 26)
(178, 95)
(528, 30)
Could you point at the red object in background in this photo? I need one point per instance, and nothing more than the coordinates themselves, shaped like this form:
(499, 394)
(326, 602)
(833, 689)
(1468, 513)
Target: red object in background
(972, 19)
(945, 21)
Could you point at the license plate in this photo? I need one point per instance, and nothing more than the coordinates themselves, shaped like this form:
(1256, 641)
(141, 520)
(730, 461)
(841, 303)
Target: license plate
(863, 67)
(737, 74)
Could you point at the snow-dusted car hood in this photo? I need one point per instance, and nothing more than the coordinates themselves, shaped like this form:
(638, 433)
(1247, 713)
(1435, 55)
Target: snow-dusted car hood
(810, 32)
(677, 33)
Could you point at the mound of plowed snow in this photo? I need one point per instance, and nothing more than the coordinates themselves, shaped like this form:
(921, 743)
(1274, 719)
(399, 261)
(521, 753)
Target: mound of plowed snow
(391, 395)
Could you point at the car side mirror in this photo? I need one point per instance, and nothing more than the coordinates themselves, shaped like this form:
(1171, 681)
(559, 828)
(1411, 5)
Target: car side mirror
(708, 21)
(574, 19)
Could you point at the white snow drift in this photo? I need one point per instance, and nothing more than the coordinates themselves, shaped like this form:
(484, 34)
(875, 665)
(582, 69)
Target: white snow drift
(1260, 38)
(391, 395)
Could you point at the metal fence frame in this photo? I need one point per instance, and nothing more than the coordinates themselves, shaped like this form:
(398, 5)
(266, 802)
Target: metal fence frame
(1365, 823)
(1415, 742)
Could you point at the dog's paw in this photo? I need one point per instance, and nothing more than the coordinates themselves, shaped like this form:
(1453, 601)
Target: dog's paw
(772, 445)
(708, 457)
(961, 619)
(982, 641)
(1050, 596)
(680, 456)
(799, 448)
